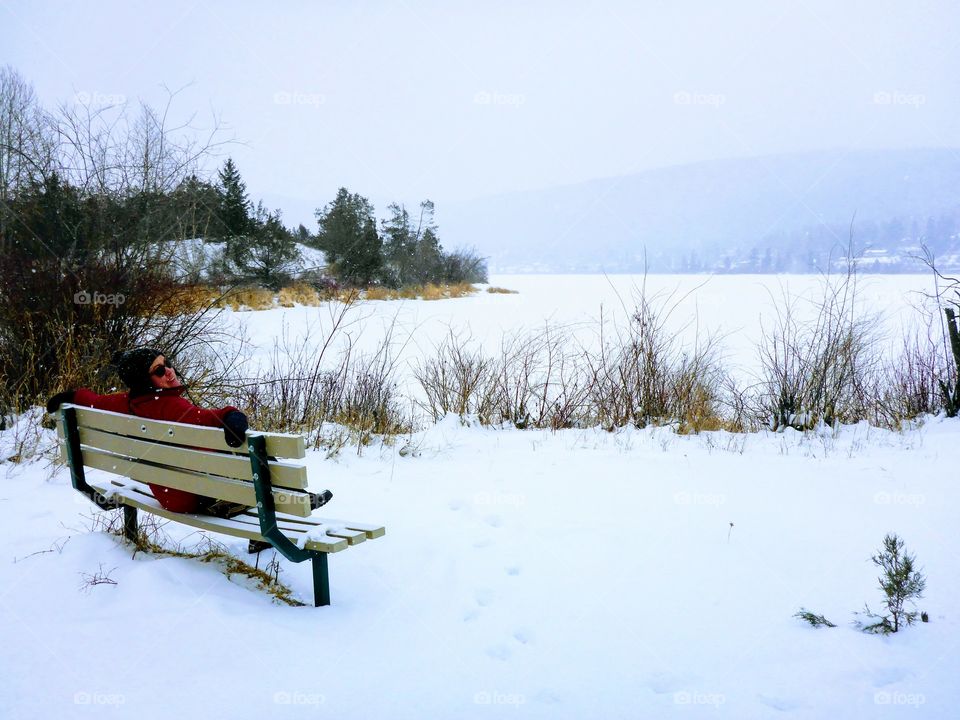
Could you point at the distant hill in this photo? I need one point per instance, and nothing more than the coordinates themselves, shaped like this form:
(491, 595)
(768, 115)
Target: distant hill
(774, 213)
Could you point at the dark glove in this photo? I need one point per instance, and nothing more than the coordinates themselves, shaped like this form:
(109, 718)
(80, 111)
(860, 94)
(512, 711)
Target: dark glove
(235, 428)
(57, 400)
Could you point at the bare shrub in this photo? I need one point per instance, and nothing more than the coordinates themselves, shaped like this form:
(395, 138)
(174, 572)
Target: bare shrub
(463, 266)
(736, 400)
(100, 577)
(456, 379)
(311, 381)
(913, 380)
(540, 380)
(535, 381)
(545, 379)
(22, 438)
(821, 370)
(946, 296)
(646, 376)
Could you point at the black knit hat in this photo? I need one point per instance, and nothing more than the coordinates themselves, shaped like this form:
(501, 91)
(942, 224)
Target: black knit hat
(133, 366)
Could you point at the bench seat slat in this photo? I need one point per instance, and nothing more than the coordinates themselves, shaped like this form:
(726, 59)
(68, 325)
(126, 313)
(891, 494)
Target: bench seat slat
(371, 532)
(139, 496)
(334, 529)
(222, 464)
(278, 445)
(289, 501)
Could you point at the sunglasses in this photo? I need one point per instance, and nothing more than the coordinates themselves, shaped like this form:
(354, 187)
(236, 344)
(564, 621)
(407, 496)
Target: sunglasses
(161, 370)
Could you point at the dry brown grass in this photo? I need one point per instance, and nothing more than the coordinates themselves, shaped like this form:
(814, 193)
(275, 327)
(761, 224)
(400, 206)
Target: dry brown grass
(291, 296)
(193, 298)
(430, 291)
(381, 293)
(250, 298)
(702, 415)
(501, 291)
(443, 292)
(298, 294)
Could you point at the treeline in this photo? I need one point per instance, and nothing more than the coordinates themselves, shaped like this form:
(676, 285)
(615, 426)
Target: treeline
(406, 251)
(402, 252)
(108, 217)
(895, 245)
(49, 213)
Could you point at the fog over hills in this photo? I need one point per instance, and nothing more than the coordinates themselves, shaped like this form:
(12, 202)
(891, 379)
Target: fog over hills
(775, 213)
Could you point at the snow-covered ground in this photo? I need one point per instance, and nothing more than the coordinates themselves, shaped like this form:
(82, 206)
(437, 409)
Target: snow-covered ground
(528, 574)
(575, 574)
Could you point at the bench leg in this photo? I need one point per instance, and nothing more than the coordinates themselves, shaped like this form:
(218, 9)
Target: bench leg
(321, 580)
(130, 523)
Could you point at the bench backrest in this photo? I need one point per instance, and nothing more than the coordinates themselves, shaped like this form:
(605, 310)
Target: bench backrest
(188, 457)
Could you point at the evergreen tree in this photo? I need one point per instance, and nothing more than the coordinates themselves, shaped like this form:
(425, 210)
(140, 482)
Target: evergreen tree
(195, 206)
(428, 260)
(53, 221)
(233, 202)
(348, 237)
(397, 246)
(413, 255)
(368, 260)
(902, 584)
(303, 235)
(268, 253)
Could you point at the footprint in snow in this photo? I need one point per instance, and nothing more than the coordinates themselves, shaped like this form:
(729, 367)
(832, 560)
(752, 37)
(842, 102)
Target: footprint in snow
(483, 597)
(486, 542)
(662, 683)
(455, 505)
(523, 636)
(512, 570)
(548, 697)
(499, 652)
(470, 615)
(780, 703)
(888, 676)
(493, 520)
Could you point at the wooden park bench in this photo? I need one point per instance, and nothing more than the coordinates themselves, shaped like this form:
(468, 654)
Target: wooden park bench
(198, 460)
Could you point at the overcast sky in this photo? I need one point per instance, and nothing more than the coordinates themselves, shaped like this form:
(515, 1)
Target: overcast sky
(408, 100)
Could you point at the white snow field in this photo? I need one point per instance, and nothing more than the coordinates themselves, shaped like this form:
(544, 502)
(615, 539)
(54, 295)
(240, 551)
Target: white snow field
(574, 574)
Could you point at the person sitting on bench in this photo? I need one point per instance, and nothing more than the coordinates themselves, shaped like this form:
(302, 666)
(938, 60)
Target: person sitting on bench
(155, 392)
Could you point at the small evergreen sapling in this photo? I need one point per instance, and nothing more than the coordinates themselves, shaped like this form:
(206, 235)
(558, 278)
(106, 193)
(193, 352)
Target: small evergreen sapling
(812, 618)
(901, 583)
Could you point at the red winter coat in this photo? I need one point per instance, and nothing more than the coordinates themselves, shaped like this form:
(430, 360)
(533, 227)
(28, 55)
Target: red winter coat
(160, 404)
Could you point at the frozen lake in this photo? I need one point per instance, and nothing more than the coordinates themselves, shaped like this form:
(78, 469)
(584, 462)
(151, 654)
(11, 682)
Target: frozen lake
(737, 307)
